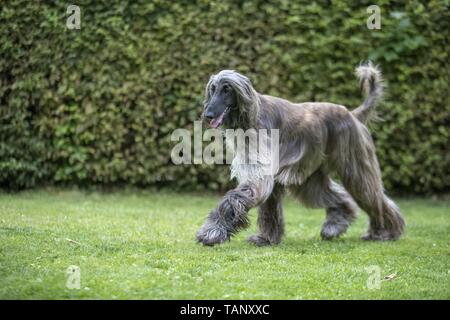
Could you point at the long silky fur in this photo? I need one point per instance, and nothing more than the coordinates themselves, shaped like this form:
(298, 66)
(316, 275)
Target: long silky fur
(317, 140)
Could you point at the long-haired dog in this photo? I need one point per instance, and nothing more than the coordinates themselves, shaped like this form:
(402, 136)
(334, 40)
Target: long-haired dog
(316, 140)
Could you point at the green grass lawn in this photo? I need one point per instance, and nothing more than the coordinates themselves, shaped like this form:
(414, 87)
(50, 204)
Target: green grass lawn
(140, 245)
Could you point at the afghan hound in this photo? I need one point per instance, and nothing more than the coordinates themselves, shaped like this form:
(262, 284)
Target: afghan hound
(316, 140)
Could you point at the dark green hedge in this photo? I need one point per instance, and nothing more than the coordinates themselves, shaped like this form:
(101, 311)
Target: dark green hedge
(97, 106)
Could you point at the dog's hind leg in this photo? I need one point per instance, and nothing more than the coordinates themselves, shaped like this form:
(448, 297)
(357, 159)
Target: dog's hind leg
(320, 191)
(361, 176)
(386, 222)
(270, 219)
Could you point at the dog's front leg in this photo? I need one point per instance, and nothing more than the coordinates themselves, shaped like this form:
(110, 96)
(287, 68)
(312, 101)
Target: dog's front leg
(231, 214)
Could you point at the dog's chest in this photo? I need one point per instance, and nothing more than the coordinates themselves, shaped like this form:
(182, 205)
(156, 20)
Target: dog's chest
(245, 171)
(249, 164)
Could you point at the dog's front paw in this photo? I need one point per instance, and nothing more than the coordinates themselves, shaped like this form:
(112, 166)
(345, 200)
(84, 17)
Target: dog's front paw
(210, 235)
(332, 230)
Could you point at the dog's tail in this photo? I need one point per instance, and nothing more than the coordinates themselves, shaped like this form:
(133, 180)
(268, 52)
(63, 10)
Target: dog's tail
(371, 81)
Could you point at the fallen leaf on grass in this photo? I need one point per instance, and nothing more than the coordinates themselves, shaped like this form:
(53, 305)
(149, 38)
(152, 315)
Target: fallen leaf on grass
(390, 277)
(72, 241)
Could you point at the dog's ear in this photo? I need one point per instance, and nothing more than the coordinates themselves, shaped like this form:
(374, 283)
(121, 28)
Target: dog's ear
(247, 90)
(243, 88)
(246, 97)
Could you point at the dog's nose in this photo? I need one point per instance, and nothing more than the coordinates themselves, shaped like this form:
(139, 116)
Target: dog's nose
(209, 114)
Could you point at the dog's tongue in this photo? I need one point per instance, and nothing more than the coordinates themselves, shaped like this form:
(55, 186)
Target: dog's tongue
(217, 121)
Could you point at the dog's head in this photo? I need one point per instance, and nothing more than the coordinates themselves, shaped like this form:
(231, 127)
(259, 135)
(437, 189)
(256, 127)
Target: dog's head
(228, 99)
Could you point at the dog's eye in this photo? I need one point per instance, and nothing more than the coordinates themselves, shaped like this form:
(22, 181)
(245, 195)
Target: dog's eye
(226, 89)
(213, 88)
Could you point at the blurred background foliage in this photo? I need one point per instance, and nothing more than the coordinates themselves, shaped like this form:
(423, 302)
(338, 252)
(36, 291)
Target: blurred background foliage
(97, 106)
